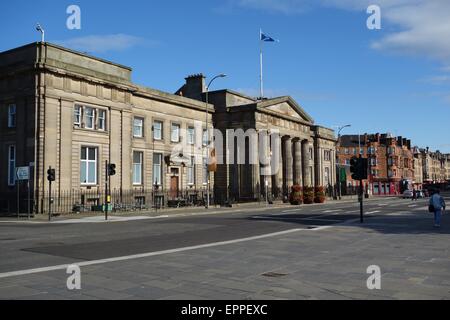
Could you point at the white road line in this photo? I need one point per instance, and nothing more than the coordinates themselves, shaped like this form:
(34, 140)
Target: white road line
(371, 212)
(286, 211)
(318, 218)
(330, 211)
(146, 255)
(412, 206)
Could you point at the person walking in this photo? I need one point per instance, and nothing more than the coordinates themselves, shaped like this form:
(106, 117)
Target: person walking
(437, 205)
(414, 195)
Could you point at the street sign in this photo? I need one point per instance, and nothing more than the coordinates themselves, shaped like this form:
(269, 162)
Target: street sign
(23, 173)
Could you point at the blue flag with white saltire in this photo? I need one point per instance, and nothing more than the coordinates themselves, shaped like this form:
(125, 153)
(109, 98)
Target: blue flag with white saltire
(266, 38)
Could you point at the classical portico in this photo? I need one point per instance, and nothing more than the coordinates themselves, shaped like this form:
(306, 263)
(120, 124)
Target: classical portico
(301, 153)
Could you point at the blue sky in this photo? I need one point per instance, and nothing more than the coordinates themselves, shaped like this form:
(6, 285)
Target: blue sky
(395, 80)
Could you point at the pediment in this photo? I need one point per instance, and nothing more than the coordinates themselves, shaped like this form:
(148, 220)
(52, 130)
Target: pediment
(285, 106)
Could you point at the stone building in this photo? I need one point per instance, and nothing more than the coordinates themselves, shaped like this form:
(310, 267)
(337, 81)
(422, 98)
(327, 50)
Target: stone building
(74, 112)
(304, 154)
(436, 166)
(418, 168)
(391, 161)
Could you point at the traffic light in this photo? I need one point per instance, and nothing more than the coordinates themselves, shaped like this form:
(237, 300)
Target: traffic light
(51, 175)
(358, 168)
(354, 168)
(111, 169)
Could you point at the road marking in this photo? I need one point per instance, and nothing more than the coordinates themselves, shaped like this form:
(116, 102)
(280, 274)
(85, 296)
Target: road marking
(412, 206)
(330, 211)
(146, 255)
(318, 218)
(286, 211)
(371, 212)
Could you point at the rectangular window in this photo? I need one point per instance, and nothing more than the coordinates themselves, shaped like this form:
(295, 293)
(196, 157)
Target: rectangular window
(191, 172)
(102, 120)
(11, 165)
(327, 155)
(138, 127)
(310, 153)
(175, 133)
(137, 167)
(157, 130)
(327, 176)
(89, 114)
(77, 116)
(205, 137)
(355, 151)
(191, 135)
(12, 116)
(347, 151)
(157, 169)
(88, 166)
(205, 171)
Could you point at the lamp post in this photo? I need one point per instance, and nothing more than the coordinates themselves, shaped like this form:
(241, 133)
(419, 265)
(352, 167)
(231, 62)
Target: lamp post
(42, 31)
(337, 158)
(222, 75)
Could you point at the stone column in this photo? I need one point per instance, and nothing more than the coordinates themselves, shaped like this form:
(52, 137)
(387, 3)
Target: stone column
(254, 163)
(298, 172)
(278, 167)
(306, 165)
(312, 164)
(288, 161)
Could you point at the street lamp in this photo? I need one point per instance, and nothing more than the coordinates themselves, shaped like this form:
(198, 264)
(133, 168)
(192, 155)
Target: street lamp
(42, 31)
(222, 75)
(337, 159)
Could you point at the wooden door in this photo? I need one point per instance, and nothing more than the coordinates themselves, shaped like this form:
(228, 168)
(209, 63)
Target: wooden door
(173, 187)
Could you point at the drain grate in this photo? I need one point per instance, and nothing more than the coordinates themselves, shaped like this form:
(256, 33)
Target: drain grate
(274, 274)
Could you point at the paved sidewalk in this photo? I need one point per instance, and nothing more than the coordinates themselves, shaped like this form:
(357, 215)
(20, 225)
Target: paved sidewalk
(172, 212)
(326, 263)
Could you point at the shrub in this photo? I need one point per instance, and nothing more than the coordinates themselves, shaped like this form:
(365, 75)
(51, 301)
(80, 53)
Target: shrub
(295, 198)
(308, 195)
(319, 195)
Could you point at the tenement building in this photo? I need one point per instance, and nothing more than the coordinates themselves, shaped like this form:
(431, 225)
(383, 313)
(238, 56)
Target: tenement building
(73, 112)
(304, 152)
(436, 166)
(391, 162)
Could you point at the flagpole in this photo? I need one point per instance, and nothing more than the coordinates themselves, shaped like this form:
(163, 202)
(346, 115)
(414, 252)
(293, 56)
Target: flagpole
(261, 87)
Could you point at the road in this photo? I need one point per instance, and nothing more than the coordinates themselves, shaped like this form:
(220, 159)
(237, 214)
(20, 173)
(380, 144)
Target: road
(169, 247)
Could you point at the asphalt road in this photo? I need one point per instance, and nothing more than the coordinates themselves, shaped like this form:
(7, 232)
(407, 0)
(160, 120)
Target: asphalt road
(34, 245)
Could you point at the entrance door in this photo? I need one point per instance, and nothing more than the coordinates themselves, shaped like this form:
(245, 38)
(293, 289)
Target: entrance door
(174, 187)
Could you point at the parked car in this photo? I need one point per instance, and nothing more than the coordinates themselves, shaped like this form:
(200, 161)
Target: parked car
(407, 194)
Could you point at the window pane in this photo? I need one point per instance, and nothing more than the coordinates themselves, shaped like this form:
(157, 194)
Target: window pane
(91, 172)
(91, 152)
(83, 153)
(175, 137)
(137, 130)
(83, 176)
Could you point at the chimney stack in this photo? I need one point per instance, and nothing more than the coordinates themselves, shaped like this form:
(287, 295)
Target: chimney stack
(195, 86)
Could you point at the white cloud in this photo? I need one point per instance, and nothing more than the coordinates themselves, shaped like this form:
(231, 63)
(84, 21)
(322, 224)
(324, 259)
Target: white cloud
(102, 43)
(414, 27)
(437, 80)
